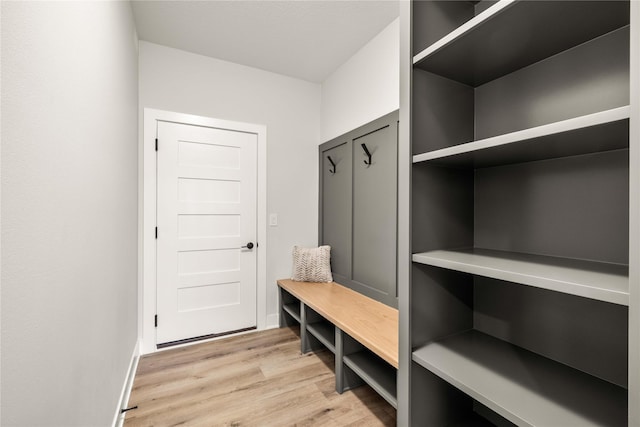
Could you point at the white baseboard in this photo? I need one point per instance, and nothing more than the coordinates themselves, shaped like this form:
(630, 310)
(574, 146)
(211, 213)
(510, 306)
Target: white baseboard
(118, 419)
(273, 321)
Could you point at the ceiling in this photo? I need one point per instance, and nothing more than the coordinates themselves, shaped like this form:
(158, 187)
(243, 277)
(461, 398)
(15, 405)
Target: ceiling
(305, 39)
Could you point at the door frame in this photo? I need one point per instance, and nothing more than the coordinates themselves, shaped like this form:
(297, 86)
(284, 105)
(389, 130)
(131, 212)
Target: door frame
(147, 217)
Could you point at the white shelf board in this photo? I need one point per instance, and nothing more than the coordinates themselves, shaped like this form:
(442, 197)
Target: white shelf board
(601, 131)
(599, 281)
(380, 375)
(525, 388)
(514, 34)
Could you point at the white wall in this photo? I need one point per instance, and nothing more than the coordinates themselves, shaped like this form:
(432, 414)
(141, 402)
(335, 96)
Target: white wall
(365, 87)
(69, 210)
(178, 81)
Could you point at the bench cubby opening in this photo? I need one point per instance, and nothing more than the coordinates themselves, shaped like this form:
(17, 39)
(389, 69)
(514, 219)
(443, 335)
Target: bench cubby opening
(371, 369)
(290, 309)
(321, 329)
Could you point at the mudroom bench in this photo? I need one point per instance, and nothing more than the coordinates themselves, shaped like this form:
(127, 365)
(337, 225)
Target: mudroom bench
(361, 332)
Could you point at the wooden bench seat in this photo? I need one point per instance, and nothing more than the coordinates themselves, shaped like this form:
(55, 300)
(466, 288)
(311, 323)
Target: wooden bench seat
(368, 321)
(360, 331)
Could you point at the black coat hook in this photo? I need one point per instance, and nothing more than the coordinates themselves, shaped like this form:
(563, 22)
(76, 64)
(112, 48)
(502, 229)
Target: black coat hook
(366, 151)
(332, 164)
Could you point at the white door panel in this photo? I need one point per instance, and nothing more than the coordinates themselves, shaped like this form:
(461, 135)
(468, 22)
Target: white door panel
(206, 283)
(203, 208)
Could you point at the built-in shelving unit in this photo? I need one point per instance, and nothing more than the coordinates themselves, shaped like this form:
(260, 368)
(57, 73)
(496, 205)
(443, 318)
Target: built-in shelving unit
(521, 140)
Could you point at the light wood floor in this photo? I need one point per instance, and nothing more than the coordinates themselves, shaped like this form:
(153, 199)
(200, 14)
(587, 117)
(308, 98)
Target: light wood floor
(257, 379)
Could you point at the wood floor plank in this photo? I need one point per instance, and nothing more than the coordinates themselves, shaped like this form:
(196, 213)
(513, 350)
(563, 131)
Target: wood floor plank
(256, 379)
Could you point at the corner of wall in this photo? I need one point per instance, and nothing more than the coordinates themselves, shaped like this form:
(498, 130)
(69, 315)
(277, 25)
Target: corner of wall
(348, 97)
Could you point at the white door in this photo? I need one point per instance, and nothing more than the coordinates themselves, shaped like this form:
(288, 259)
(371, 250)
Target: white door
(206, 218)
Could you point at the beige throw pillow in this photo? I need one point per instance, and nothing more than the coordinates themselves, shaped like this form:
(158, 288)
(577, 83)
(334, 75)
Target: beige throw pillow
(312, 264)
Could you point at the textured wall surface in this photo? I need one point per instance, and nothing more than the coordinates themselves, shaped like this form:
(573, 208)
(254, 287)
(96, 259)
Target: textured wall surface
(69, 210)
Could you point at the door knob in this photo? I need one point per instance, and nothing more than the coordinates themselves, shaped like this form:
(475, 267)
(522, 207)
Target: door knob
(247, 246)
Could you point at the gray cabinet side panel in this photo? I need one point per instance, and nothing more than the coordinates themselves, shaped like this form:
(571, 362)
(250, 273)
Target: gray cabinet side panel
(336, 209)
(442, 208)
(374, 214)
(358, 208)
(446, 115)
(442, 303)
(435, 402)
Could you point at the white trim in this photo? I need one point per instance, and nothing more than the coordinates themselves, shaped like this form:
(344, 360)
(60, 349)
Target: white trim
(273, 321)
(118, 419)
(147, 301)
(236, 334)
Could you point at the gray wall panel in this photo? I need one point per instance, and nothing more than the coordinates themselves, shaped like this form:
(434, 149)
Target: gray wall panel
(442, 303)
(575, 207)
(580, 332)
(336, 208)
(586, 79)
(358, 208)
(483, 5)
(374, 212)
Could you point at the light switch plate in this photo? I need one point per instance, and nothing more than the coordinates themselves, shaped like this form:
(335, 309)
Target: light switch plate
(273, 220)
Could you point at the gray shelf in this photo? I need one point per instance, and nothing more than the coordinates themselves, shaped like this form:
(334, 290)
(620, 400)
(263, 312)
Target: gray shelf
(325, 332)
(376, 372)
(293, 309)
(599, 281)
(513, 34)
(521, 386)
(592, 133)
